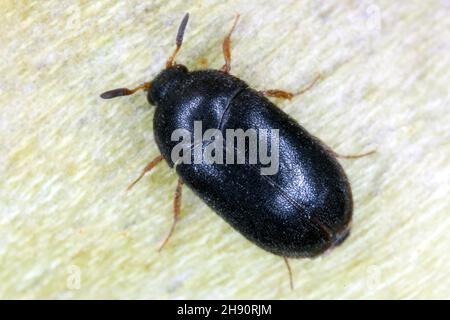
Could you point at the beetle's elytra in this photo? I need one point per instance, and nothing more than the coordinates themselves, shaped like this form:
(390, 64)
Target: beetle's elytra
(301, 211)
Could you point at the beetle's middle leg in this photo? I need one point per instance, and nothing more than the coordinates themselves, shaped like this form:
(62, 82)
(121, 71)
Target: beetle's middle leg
(147, 168)
(176, 211)
(289, 95)
(227, 48)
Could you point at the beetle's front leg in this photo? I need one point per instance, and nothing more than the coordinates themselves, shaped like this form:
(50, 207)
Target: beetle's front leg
(275, 93)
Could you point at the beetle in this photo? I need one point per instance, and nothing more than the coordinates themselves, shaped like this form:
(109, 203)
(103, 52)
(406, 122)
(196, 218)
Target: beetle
(301, 211)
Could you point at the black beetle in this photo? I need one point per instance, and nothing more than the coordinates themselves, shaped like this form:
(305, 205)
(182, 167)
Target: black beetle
(301, 211)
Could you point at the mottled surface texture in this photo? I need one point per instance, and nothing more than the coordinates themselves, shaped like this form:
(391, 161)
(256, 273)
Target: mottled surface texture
(69, 230)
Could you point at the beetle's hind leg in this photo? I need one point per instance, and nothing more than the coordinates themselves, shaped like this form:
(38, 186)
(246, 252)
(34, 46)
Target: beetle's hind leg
(176, 211)
(226, 46)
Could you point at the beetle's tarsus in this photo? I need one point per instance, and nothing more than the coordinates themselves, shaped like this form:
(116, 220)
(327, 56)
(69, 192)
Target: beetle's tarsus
(309, 86)
(276, 93)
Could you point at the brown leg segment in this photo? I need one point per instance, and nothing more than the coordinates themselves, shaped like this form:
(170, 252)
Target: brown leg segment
(227, 48)
(309, 86)
(147, 168)
(289, 95)
(278, 94)
(291, 280)
(176, 211)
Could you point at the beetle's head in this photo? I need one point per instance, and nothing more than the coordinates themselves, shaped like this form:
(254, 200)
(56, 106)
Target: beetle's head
(165, 81)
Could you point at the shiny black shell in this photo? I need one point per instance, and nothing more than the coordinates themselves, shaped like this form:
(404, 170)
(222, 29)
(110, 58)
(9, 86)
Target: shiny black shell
(301, 211)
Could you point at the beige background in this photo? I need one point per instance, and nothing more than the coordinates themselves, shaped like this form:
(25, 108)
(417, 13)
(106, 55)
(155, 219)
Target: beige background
(68, 230)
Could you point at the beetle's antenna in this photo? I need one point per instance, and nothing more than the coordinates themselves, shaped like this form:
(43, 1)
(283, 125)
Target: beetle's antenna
(124, 91)
(179, 40)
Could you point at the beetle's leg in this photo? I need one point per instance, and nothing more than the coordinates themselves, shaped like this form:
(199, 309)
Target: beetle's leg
(291, 280)
(278, 94)
(147, 168)
(124, 91)
(178, 40)
(226, 46)
(176, 211)
(309, 86)
(354, 156)
(289, 95)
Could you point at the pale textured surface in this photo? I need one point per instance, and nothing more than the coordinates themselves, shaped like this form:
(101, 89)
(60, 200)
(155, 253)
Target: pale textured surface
(66, 156)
